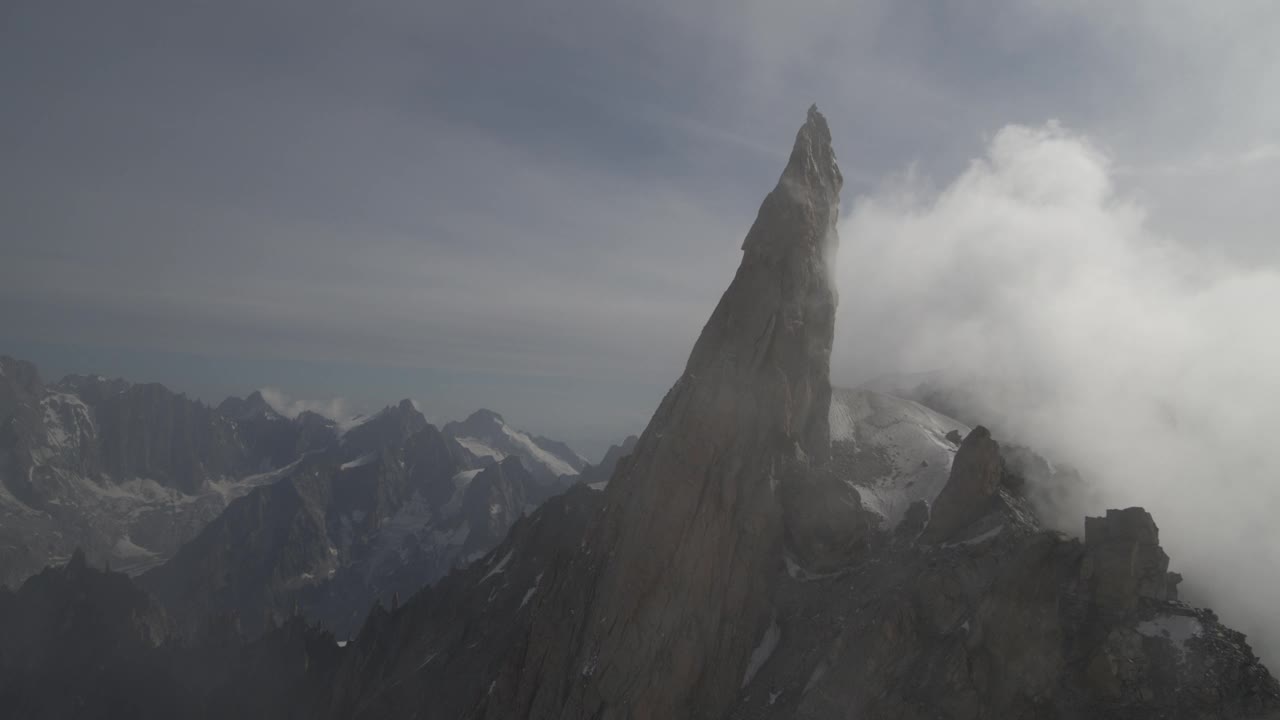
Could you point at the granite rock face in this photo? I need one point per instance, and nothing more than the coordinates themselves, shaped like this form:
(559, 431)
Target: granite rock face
(693, 529)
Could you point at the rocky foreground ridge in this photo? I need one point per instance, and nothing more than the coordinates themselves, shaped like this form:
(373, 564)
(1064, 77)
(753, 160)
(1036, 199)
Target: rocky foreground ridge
(771, 549)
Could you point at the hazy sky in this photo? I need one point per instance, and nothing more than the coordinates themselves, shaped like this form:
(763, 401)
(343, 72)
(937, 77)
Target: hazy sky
(533, 206)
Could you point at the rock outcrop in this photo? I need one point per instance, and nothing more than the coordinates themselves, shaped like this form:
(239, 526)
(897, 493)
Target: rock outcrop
(1124, 562)
(493, 501)
(968, 494)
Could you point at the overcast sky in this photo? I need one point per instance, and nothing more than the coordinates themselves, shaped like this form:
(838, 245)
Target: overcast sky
(533, 206)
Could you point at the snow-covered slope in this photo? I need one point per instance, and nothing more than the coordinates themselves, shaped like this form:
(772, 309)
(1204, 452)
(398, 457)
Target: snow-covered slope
(487, 436)
(897, 450)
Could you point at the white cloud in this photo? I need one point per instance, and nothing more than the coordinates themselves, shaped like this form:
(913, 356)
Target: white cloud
(1153, 367)
(334, 408)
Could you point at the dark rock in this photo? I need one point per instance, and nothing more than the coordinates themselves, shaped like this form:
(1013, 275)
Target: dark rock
(600, 474)
(316, 537)
(967, 496)
(494, 500)
(1124, 562)
(915, 520)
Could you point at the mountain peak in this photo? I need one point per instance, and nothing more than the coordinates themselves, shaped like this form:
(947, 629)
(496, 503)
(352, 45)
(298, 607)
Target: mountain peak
(484, 415)
(810, 184)
(253, 405)
(749, 412)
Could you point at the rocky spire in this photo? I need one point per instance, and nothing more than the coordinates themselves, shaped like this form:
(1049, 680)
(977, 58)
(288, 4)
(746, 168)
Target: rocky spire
(969, 492)
(692, 531)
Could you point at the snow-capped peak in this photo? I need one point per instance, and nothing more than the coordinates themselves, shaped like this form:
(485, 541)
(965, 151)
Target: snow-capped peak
(486, 435)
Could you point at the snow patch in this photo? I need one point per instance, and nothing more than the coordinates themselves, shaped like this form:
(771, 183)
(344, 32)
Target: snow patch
(556, 465)
(903, 440)
(360, 461)
(978, 539)
(840, 421)
(763, 651)
(530, 592)
(66, 420)
(478, 448)
(125, 547)
(500, 567)
(351, 423)
(1178, 629)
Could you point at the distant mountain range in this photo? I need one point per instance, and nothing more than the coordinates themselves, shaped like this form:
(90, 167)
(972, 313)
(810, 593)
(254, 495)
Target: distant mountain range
(240, 509)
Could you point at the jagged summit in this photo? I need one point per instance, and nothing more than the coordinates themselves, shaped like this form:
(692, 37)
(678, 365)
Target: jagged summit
(253, 405)
(810, 169)
(693, 529)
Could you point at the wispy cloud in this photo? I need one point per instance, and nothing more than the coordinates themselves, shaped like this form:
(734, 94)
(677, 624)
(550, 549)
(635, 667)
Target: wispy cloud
(333, 408)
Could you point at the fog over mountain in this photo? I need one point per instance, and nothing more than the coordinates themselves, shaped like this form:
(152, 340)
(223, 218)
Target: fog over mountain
(1042, 291)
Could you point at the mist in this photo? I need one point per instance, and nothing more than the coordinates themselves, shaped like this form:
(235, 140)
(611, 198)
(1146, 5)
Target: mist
(1153, 366)
(291, 407)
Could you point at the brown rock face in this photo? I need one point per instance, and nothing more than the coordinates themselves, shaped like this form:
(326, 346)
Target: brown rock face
(967, 496)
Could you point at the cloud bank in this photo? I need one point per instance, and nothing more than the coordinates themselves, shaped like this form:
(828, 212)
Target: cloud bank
(1151, 366)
